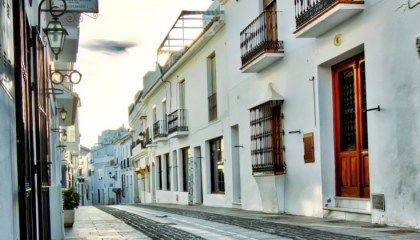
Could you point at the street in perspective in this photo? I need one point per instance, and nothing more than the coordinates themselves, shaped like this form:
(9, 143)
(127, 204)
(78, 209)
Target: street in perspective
(210, 119)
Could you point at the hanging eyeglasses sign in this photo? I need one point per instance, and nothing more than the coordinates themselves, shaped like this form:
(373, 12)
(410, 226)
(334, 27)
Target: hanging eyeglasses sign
(55, 32)
(58, 76)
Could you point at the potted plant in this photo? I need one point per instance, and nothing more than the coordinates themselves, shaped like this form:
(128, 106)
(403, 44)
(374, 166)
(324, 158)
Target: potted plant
(70, 202)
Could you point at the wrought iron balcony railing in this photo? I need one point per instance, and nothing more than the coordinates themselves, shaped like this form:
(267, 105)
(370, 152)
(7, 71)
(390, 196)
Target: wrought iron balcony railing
(177, 121)
(260, 36)
(160, 129)
(308, 10)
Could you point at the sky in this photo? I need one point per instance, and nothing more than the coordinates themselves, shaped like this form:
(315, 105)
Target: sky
(115, 51)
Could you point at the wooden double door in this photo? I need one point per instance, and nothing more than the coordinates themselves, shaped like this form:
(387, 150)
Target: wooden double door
(350, 128)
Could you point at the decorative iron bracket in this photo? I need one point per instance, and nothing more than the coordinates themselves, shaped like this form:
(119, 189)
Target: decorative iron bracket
(57, 76)
(295, 132)
(62, 147)
(54, 11)
(378, 108)
(55, 91)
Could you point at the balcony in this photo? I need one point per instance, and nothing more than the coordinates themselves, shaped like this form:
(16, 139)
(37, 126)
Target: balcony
(260, 46)
(316, 17)
(138, 148)
(177, 123)
(160, 131)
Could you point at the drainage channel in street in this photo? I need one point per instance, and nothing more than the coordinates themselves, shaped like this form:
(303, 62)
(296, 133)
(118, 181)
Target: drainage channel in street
(278, 229)
(153, 229)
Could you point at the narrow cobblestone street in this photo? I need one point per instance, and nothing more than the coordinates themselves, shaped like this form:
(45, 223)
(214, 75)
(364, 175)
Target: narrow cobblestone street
(199, 222)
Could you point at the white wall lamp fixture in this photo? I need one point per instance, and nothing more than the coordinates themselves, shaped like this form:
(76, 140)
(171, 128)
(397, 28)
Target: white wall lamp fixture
(56, 35)
(55, 32)
(62, 132)
(62, 112)
(59, 75)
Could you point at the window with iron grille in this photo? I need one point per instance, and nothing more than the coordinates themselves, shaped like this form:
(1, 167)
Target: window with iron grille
(185, 155)
(267, 138)
(217, 166)
(168, 172)
(159, 163)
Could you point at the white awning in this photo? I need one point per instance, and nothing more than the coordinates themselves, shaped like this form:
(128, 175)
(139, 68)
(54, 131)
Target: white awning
(269, 95)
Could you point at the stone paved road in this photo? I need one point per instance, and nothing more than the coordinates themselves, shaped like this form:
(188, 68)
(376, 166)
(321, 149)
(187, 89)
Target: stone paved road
(277, 229)
(151, 228)
(199, 227)
(166, 221)
(93, 224)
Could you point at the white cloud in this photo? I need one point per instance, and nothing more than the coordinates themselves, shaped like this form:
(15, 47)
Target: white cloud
(111, 80)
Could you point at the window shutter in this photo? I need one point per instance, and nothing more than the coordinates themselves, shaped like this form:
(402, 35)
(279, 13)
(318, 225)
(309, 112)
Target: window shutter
(308, 145)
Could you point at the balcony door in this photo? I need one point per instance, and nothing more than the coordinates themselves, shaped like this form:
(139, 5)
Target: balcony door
(350, 128)
(270, 8)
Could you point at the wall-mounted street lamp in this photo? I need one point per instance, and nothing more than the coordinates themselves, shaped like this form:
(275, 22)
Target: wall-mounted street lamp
(62, 132)
(56, 35)
(64, 137)
(55, 32)
(63, 113)
(58, 76)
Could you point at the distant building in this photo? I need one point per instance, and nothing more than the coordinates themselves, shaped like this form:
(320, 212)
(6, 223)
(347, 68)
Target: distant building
(82, 177)
(106, 187)
(126, 174)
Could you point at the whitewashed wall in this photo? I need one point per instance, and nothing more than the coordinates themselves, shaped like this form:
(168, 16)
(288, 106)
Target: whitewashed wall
(384, 32)
(387, 36)
(8, 163)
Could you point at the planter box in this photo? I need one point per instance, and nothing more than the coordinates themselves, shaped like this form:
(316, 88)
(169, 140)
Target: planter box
(68, 218)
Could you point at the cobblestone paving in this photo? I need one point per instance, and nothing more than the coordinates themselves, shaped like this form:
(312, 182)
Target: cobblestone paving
(152, 229)
(278, 229)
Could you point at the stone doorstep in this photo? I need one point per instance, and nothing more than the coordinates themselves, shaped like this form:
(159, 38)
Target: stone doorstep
(354, 203)
(348, 214)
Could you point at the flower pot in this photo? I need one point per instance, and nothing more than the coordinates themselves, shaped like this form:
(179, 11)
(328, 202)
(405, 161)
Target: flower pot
(68, 218)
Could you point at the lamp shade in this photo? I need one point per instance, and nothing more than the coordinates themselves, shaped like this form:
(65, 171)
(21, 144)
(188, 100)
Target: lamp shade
(63, 114)
(64, 137)
(56, 35)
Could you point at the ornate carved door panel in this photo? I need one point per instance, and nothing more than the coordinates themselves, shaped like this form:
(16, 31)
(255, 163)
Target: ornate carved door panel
(350, 128)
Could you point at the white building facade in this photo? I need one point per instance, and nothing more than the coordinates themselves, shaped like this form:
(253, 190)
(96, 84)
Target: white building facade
(128, 179)
(140, 154)
(303, 109)
(105, 172)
